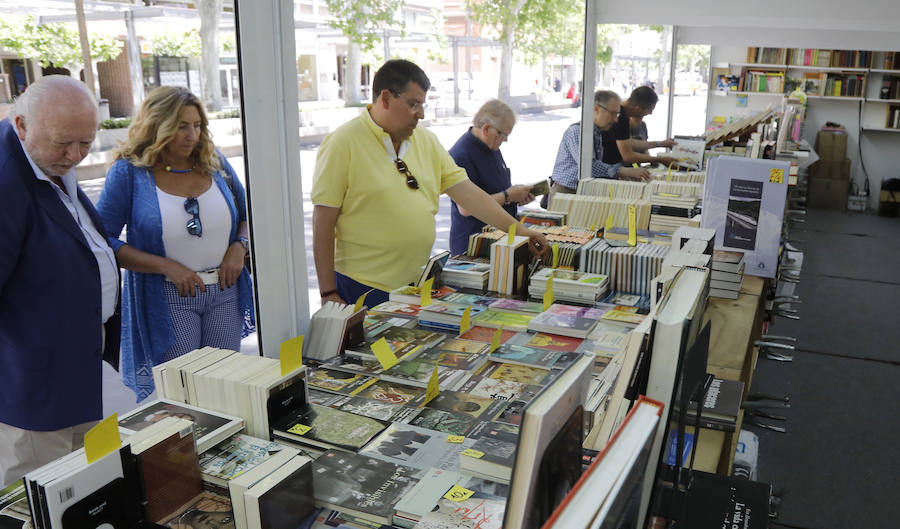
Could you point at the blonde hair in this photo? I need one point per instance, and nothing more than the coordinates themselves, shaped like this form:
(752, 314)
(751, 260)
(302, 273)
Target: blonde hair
(156, 124)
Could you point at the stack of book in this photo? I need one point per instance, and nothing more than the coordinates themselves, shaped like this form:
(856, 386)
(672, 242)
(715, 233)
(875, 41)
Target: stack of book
(566, 320)
(332, 329)
(413, 294)
(670, 211)
(727, 275)
(463, 271)
(630, 268)
(446, 316)
(508, 264)
(587, 210)
(540, 217)
(579, 287)
(721, 405)
(210, 428)
(604, 187)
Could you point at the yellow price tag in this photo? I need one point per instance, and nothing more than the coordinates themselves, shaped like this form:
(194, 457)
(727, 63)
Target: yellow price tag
(433, 388)
(632, 225)
(593, 229)
(636, 165)
(669, 178)
(102, 439)
(555, 249)
(360, 301)
(776, 176)
(471, 452)
(673, 195)
(457, 493)
(425, 293)
(609, 225)
(495, 341)
(384, 354)
(455, 439)
(465, 323)
(511, 234)
(548, 294)
(610, 192)
(299, 429)
(291, 354)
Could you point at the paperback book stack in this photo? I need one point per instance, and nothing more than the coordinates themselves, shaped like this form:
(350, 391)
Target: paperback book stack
(604, 187)
(567, 320)
(579, 287)
(508, 266)
(587, 210)
(480, 243)
(727, 276)
(539, 217)
(332, 329)
(630, 268)
(691, 247)
(446, 316)
(664, 174)
(670, 211)
(463, 271)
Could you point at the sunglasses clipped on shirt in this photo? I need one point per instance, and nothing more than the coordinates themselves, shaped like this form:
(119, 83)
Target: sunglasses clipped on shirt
(411, 181)
(194, 226)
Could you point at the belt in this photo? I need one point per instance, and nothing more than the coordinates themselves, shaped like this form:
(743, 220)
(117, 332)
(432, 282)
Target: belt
(209, 277)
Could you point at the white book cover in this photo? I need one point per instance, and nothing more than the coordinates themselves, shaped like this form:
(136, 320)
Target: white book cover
(744, 202)
(420, 448)
(210, 427)
(67, 490)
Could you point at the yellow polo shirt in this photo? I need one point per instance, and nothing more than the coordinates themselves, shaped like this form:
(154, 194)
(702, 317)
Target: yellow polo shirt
(385, 230)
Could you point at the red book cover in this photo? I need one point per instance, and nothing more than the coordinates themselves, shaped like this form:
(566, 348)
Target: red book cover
(485, 334)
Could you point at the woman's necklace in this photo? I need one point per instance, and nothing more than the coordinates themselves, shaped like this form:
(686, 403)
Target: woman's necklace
(181, 171)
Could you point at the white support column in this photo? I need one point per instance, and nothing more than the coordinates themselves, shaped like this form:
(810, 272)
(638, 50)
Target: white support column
(268, 73)
(591, 19)
(672, 68)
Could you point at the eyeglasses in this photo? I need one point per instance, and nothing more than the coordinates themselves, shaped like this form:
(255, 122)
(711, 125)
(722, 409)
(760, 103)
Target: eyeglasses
(194, 226)
(413, 105)
(611, 113)
(404, 170)
(504, 135)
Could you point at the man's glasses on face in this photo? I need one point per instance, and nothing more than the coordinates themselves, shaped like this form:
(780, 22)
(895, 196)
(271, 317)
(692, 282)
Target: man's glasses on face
(413, 105)
(404, 170)
(611, 113)
(504, 135)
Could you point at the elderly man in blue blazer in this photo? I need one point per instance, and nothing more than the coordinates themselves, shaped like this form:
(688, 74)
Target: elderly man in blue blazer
(59, 281)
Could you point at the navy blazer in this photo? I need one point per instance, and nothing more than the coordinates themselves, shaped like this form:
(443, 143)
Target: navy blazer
(50, 303)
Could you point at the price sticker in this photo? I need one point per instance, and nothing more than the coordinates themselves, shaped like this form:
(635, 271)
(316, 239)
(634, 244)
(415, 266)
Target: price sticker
(511, 234)
(608, 227)
(465, 322)
(632, 226)
(548, 294)
(776, 176)
(384, 354)
(471, 452)
(425, 295)
(495, 341)
(299, 429)
(360, 301)
(555, 249)
(455, 439)
(433, 387)
(458, 493)
(102, 438)
(291, 354)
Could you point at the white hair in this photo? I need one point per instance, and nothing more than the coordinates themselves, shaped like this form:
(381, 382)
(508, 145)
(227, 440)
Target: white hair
(60, 90)
(495, 113)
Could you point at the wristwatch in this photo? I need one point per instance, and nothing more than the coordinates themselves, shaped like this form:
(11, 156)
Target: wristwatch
(505, 197)
(245, 242)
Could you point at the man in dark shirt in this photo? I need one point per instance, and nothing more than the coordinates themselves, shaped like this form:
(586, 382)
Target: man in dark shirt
(619, 147)
(478, 152)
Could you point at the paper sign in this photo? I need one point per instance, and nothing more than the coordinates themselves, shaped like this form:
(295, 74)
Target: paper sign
(458, 493)
(511, 238)
(384, 354)
(299, 429)
(471, 452)
(102, 439)
(548, 294)
(465, 323)
(291, 354)
(555, 248)
(632, 226)
(426, 292)
(495, 341)
(455, 439)
(608, 228)
(433, 389)
(776, 176)
(361, 301)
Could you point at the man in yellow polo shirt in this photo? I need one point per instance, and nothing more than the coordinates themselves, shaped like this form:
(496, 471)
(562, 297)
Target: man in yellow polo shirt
(375, 192)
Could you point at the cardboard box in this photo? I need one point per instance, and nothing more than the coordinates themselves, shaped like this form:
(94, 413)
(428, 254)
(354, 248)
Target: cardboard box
(822, 170)
(827, 194)
(887, 196)
(831, 145)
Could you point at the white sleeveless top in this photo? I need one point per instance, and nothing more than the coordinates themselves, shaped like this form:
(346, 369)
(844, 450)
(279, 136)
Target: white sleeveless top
(197, 253)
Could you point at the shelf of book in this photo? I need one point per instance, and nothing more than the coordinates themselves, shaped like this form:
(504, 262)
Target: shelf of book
(879, 129)
(882, 70)
(836, 98)
(759, 66)
(877, 100)
(744, 93)
(827, 69)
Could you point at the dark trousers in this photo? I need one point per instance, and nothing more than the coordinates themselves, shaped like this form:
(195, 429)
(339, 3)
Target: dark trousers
(350, 290)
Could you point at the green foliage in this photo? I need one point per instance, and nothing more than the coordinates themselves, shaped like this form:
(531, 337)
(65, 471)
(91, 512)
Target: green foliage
(55, 44)
(116, 123)
(363, 21)
(550, 28)
(227, 43)
(225, 114)
(186, 44)
(693, 58)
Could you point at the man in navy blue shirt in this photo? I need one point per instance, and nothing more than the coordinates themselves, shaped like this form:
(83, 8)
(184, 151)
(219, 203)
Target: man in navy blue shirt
(478, 152)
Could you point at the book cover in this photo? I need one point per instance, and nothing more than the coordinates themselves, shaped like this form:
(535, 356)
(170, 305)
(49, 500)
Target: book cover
(210, 427)
(343, 382)
(727, 501)
(284, 498)
(465, 403)
(208, 509)
(376, 322)
(509, 320)
(498, 444)
(402, 341)
(353, 363)
(516, 306)
(416, 447)
(360, 485)
(417, 373)
(171, 474)
(14, 511)
(486, 334)
(512, 414)
(391, 392)
(468, 299)
(465, 361)
(413, 294)
(480, 511)
(560, 467)
(234, 456)
(69, 499)
(722, 402)
(375, 409)
(443, 421)
(742, 217)
(553, 342)
(523, 355)
(515, 373)
(492, 388)
(397, 308)
(331, 428)
(422, 498)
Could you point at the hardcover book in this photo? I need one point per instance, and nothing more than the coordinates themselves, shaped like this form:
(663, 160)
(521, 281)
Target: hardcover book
(416, 447)
(523, 355)
(336, 381)
(359, 485)
(210, 427)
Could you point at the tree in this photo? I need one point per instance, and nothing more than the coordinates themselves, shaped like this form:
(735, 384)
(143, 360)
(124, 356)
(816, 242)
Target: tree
(363, 23)
(55, 44)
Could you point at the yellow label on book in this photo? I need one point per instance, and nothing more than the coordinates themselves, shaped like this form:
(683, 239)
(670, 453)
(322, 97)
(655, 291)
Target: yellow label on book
(471, 452)
(632, 225)
(636, 165)
(511, 234)
(455, 439)
(102, 439)
(433, 388)
(669, 177)
(299, 429)
(291, 354)
(384, 354)
(608, 227)
(555, 249)
(465, 322)
(495, 341)
(673, 195)
(593, 229)
(425, 296)
(458, 493)
(776, 176)
(610, 192)
(360, 301)
(643, 239)
(548, 294)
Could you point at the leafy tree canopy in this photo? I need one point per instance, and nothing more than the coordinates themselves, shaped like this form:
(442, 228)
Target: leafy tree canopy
(363, 21)
(56, 44)
(185, 44)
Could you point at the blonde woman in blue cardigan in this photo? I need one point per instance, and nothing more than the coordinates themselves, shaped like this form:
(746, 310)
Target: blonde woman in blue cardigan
(185, 286)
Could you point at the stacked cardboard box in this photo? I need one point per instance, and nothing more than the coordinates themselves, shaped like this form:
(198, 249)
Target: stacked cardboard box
(830, 177)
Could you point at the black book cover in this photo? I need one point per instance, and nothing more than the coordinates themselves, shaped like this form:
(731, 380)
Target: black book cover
(498, 442)
(742, 216)
(715, 501)
(289, 396)
(104, 507)
(289, 502)
(559, 469)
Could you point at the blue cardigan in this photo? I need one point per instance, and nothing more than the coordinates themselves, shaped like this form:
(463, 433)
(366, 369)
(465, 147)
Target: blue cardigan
(129, 197)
